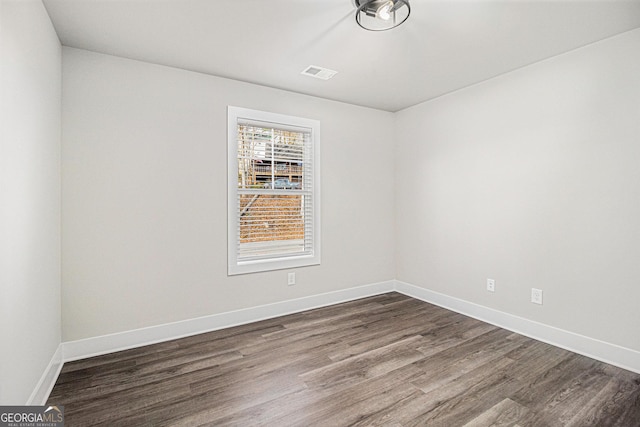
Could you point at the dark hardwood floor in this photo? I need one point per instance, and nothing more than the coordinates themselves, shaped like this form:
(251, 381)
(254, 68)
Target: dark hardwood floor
(386, 360)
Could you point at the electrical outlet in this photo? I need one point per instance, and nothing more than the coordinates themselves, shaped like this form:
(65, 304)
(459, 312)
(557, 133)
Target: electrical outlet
(491, 285)
(536, 296)
(291, 279)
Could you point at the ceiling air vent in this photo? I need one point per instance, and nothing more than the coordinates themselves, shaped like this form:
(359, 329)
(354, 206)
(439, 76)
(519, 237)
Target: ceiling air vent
(319, 72)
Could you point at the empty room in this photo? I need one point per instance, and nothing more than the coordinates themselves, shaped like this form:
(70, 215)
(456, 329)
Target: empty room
(320, 212)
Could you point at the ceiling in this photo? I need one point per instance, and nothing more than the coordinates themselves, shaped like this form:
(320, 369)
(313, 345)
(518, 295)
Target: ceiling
(443, 46)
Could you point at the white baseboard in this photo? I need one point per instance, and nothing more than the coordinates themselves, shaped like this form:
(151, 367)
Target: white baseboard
(605, 352)
(95, 346)
(48, 380)
(74, 350)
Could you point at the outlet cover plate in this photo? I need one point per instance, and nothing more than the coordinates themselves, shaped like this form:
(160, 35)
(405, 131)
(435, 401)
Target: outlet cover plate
(491, 285)
(536, 296)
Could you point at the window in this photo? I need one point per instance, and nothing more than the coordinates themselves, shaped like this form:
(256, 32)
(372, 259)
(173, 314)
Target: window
(274, 191)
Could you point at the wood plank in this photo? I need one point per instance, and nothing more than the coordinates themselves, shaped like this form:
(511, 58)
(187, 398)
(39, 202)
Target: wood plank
(420, 406)
(569, 399)
(605, 408)
(505, 413)
(367, 365)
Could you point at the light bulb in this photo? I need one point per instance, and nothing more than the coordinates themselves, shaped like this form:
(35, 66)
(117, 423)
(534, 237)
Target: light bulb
(384, 11)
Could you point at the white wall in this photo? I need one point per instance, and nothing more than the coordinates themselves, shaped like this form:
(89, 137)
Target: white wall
(144, 195)
(30, 82)
(532, 179)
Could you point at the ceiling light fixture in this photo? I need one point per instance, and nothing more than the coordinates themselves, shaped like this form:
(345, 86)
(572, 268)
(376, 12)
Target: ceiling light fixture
(381, 15)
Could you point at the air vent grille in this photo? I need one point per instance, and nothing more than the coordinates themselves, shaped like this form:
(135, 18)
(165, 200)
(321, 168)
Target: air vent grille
(319, 72)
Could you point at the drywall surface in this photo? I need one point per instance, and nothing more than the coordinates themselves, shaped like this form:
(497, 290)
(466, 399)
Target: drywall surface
(145, 190)
(531, 179)
(30, 81)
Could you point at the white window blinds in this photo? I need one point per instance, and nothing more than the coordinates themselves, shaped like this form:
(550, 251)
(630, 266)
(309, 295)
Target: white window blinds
(273, 198)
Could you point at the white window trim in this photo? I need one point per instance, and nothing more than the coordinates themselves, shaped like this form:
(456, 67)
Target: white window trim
(276, 263)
